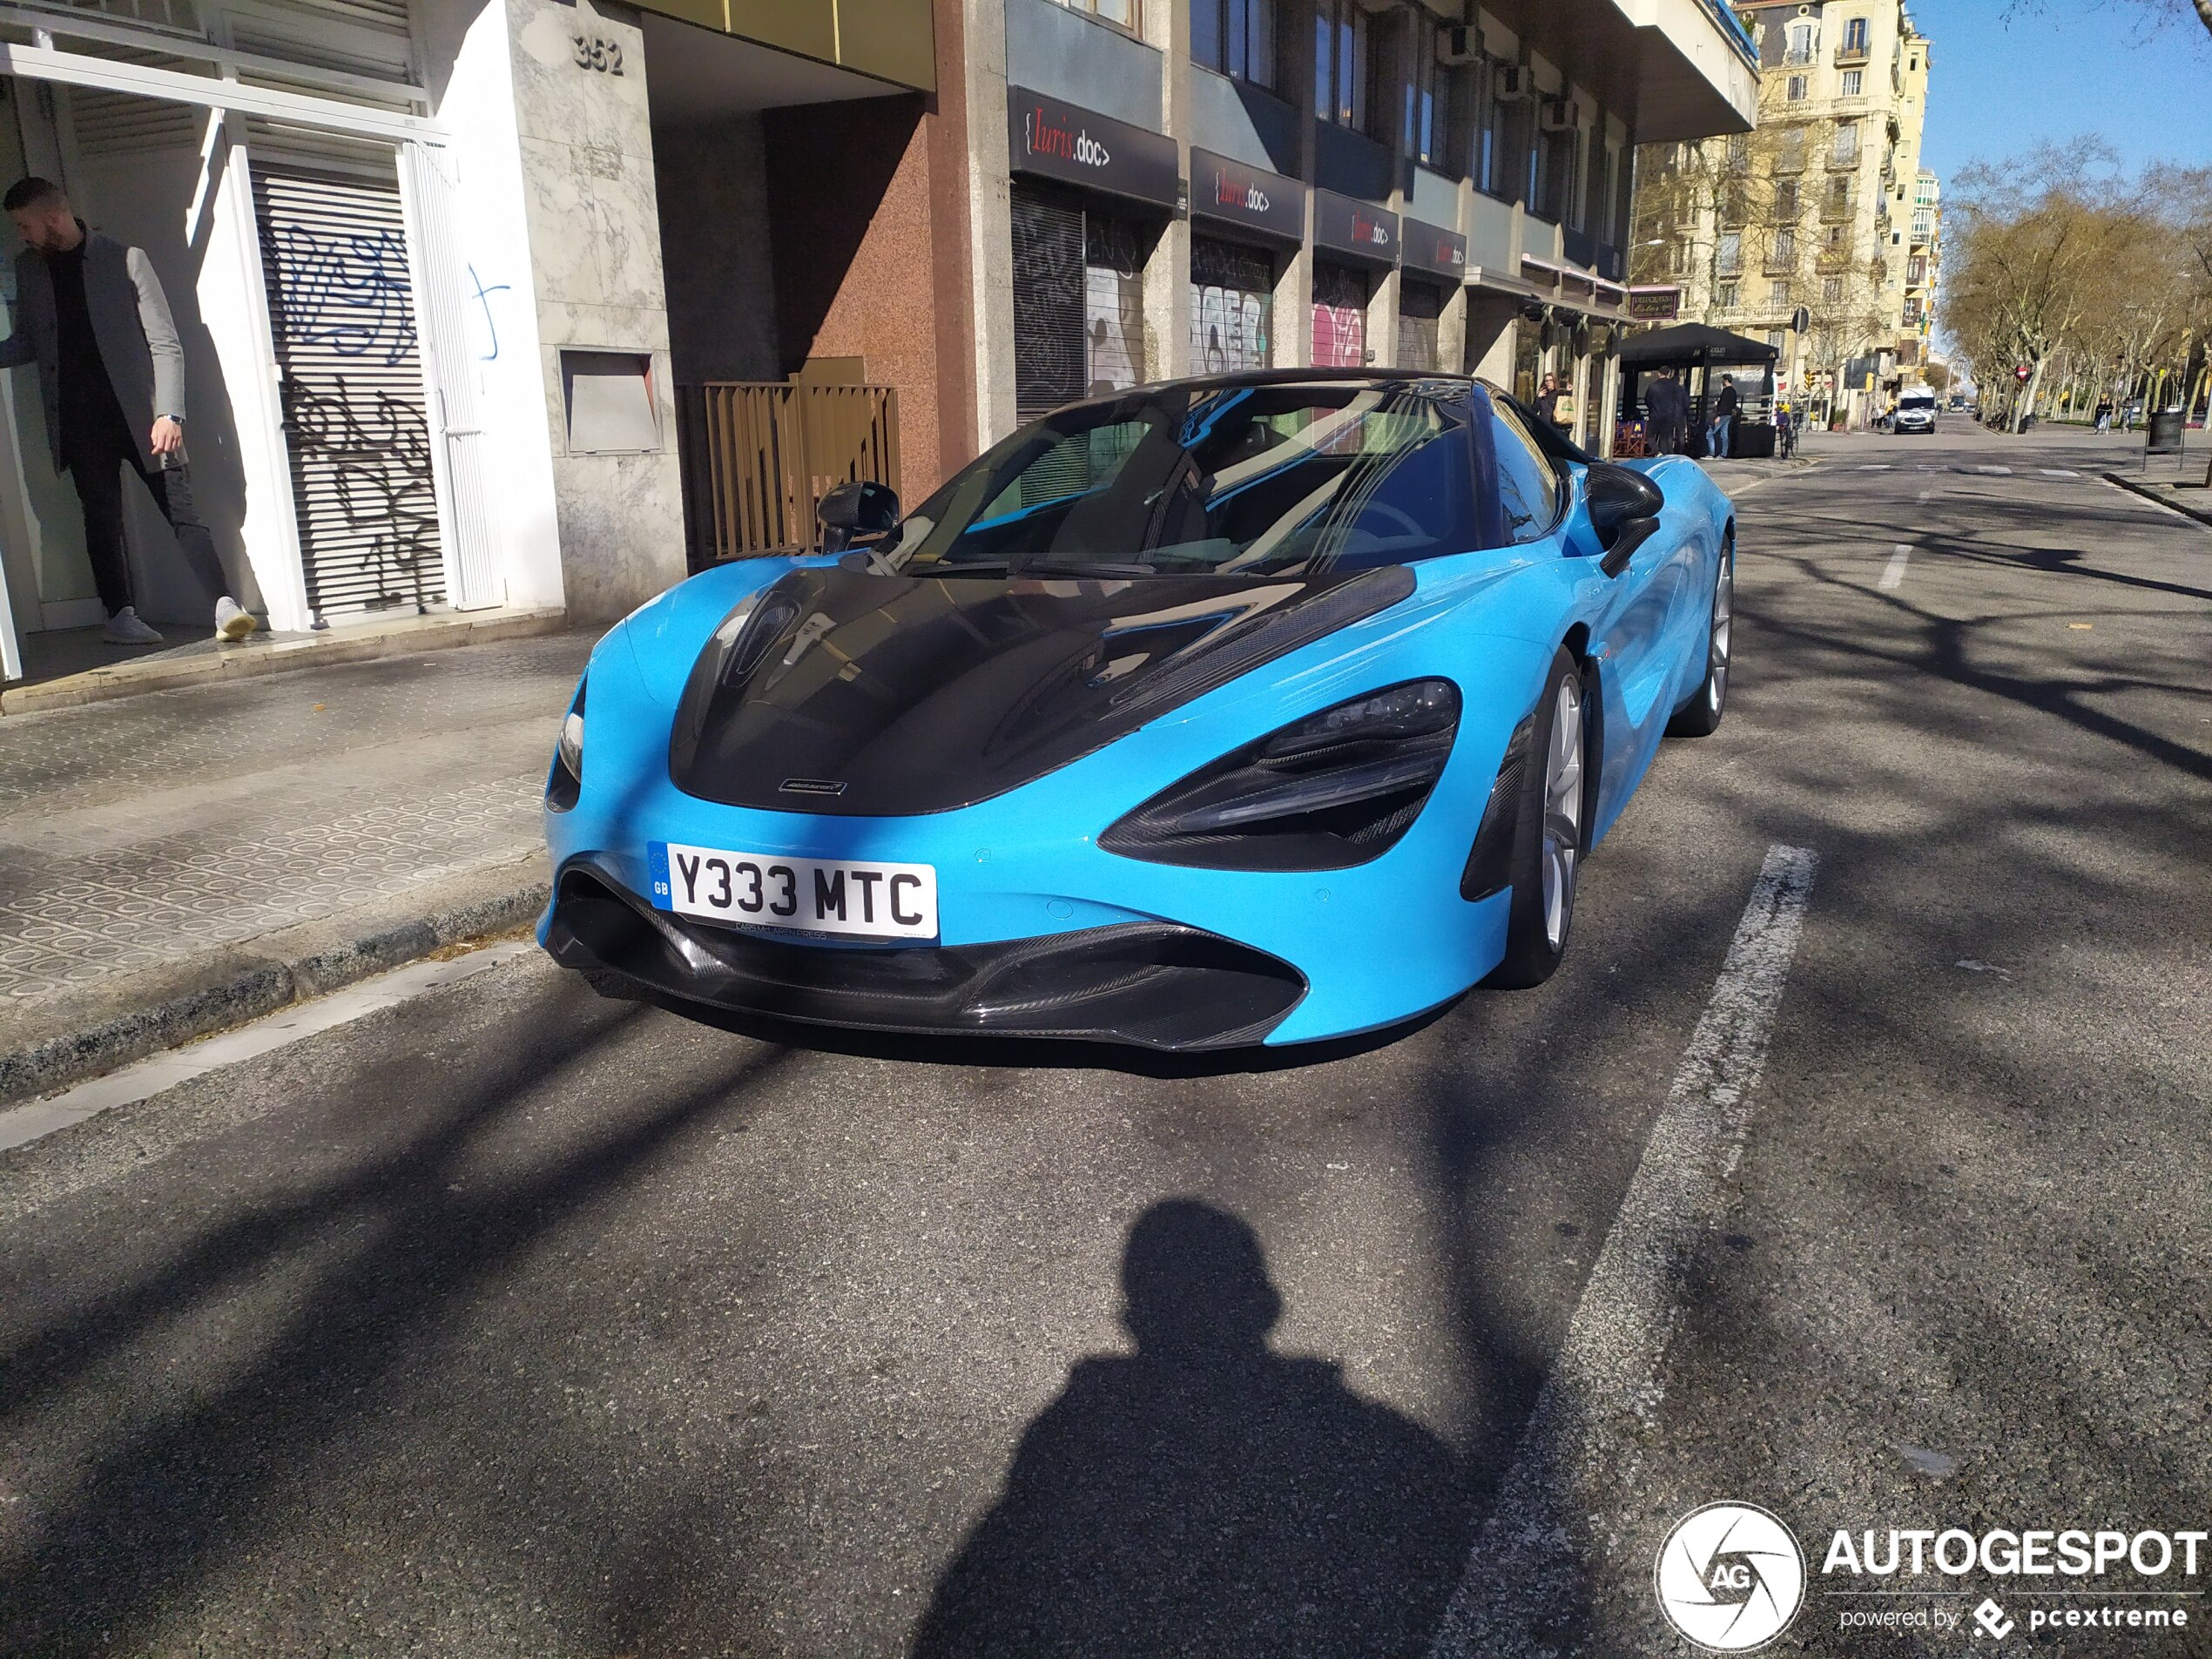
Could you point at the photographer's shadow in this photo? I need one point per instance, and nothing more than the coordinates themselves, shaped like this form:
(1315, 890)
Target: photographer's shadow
(1207, 1495)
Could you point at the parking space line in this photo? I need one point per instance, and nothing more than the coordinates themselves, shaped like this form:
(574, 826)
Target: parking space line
(20, 1125)
(1521, 1572)
(1893, 573)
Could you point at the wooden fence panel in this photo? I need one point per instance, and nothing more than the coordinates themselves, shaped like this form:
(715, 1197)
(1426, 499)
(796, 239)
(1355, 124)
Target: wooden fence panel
(758, 455)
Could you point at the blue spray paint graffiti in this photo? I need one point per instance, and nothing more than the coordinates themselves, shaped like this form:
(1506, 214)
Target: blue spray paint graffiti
(348, 291)
(491, 324)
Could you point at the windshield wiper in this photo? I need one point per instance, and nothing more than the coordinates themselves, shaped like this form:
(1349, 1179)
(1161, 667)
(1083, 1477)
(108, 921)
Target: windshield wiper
(1084, 567)
(958, 567)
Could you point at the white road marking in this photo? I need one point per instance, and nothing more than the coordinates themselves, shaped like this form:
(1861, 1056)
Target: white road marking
(2056, 472)
(2002, 472)
(22, 1124)
(1893, 573)
(1875, 466)
(1925, 494)
(1579, 1447)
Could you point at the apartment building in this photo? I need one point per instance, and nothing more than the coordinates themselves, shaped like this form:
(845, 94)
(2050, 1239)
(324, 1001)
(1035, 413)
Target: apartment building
(1796, 233)
(1162, 187)
(1923, 265)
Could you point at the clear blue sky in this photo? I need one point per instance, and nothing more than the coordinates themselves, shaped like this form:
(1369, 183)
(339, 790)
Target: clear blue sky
(2006, 77)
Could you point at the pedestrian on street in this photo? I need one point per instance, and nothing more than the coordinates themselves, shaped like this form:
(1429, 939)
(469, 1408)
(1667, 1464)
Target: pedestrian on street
(2104, 415)
(1548, 402)
(94, 319)
(1724, 419)
(1668, 403)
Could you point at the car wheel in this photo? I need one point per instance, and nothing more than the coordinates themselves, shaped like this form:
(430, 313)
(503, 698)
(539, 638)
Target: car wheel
(1550, 831)
(1701, 716)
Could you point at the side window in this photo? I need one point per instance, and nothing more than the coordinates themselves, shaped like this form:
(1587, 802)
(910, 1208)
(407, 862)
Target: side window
(1526, 485)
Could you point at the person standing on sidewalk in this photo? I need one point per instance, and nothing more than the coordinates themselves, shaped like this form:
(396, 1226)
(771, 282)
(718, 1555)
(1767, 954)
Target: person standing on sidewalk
(1724, 419)
(93, 318)
(1668, 403)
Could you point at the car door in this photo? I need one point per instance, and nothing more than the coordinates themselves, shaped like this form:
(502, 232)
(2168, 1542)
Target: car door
(1631, 635)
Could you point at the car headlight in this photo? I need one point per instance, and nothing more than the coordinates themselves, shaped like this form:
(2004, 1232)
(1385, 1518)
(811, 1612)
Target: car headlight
(1335, 789)
(564, 785)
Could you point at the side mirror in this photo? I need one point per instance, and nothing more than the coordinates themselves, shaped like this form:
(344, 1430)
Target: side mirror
(854, 509)
(1624, 511)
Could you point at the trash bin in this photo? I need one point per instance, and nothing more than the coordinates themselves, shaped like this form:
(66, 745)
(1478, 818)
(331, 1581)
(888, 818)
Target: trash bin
(2165, 433)
(1753, 440)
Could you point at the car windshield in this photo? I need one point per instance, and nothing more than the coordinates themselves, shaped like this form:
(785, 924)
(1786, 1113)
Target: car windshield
(1911, 402)
(1232, 480)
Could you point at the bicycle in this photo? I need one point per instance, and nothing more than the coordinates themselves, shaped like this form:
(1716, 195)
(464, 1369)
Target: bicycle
(1786, 438)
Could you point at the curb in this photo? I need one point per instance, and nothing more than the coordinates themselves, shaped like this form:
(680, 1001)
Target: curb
(2199, 514)
(165, 672)
(272, 973)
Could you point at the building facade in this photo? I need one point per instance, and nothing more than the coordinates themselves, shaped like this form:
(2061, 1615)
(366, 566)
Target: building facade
(500, 304)
(1162, 187)
(445, 270)
(1807, 219)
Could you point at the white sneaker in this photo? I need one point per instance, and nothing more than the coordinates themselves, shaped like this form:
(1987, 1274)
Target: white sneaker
(232, 620)
(123, 628)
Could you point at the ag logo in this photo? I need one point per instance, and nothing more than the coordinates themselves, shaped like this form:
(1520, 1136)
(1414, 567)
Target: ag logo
(1992, 1619)
(1730, 1577)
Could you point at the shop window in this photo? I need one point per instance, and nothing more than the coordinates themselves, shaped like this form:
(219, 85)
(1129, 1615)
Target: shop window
(1236, 36)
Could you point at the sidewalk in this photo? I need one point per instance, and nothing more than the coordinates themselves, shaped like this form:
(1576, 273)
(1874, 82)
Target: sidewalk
(178, 862)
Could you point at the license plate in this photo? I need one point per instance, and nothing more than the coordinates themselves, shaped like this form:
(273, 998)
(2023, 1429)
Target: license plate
(867, 900)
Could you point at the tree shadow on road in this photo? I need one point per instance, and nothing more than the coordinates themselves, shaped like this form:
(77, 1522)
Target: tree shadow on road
(1206, 1494)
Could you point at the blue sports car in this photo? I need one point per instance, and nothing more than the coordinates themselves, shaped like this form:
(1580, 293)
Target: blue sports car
(1253, 709)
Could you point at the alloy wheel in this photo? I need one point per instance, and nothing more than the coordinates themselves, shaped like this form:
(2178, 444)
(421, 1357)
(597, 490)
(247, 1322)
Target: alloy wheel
(1562, 812)
(1724, 612)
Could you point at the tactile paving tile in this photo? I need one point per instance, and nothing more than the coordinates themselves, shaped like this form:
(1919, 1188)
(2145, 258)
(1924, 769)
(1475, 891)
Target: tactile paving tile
(172, 869)
(167, 900)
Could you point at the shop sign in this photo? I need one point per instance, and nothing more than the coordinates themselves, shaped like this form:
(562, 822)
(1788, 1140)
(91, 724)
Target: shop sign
(1344, 226)
(1655, 305)
(1430, 247)
(1251, 197)
(1051, 140)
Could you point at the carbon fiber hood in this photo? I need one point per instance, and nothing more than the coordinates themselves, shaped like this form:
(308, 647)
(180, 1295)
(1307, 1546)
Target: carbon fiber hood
(853, 693)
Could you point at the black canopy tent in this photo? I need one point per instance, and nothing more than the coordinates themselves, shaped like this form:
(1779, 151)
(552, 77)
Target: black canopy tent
(1697, 346)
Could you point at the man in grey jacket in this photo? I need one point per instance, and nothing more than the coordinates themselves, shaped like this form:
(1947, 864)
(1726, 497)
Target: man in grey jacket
(91, 314)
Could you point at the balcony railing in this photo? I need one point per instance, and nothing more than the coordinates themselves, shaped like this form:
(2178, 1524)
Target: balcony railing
(1835, 212)
(1782, 264)
(1840, 160)
(758, 455)
(1799, 58)
(1850, 57)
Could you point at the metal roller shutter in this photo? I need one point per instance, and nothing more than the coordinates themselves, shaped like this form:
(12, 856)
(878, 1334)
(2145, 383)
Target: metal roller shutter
(1049, 351)
(1419, 306)
(1113, 304)
(1339, 317)
(1232, 302)
(341, 311)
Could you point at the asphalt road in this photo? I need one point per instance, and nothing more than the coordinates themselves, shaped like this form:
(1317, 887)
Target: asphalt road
(512, 1322)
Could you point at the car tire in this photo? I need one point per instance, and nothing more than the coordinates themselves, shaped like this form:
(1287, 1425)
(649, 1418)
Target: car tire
(1553, 819)
(1701, 716)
